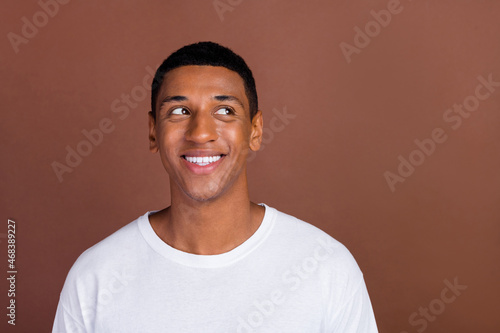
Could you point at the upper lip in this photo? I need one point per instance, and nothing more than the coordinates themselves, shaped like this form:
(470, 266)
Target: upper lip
(201, 153)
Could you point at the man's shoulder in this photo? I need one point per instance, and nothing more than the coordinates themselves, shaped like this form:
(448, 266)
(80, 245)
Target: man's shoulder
(294, 224)
(303, 238)
(109, 252)
(293, 228)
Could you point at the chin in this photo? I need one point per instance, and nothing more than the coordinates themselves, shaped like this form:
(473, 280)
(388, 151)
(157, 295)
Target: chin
(202, 197)
(206, 194)
(207, 189)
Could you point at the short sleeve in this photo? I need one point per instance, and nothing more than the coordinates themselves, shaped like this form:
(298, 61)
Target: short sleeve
(356, 314)
(65, 322)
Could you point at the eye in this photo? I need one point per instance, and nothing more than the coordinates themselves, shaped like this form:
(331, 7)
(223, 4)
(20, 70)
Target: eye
(179, 111)
(225, 111)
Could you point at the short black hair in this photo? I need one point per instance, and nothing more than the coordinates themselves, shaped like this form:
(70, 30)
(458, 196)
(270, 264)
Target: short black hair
(206, 54)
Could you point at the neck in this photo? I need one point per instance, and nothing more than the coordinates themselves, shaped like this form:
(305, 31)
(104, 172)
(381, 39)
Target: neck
(209, 227)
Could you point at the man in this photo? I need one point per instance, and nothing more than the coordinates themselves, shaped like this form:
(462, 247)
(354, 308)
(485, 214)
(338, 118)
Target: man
(213, 261)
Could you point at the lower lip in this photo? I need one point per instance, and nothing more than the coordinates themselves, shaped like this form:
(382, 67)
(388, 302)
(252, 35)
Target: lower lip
(202, 170)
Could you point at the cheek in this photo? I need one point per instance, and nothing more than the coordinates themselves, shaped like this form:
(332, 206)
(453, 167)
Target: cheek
(170, 136)
(238, 137)
(170, 140)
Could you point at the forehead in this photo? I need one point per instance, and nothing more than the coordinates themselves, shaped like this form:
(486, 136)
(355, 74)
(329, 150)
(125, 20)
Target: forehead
(203, 80)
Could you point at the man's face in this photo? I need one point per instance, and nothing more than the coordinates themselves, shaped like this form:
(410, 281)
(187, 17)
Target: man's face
(203, 130)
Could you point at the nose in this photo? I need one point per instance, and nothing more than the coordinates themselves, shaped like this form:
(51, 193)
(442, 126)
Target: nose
(201, 128)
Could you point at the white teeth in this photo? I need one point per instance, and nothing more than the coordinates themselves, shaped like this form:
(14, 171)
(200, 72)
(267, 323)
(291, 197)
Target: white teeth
(202, 161)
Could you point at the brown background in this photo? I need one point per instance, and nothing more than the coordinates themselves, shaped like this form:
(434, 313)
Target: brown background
(326, 166)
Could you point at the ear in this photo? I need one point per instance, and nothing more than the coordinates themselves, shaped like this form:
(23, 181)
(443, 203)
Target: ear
(256, 134)
(153, 143)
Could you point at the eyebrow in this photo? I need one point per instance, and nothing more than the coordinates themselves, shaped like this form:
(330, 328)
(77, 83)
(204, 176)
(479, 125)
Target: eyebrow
(176, 98)
(228, 98)
(220, 98)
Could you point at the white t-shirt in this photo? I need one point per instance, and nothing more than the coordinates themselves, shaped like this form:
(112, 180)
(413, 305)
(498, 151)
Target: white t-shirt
(289, 276)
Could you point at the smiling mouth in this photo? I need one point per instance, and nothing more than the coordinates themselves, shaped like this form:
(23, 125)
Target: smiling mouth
(202, 160)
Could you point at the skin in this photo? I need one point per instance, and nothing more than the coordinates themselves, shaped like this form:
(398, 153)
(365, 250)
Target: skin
(204, 110)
